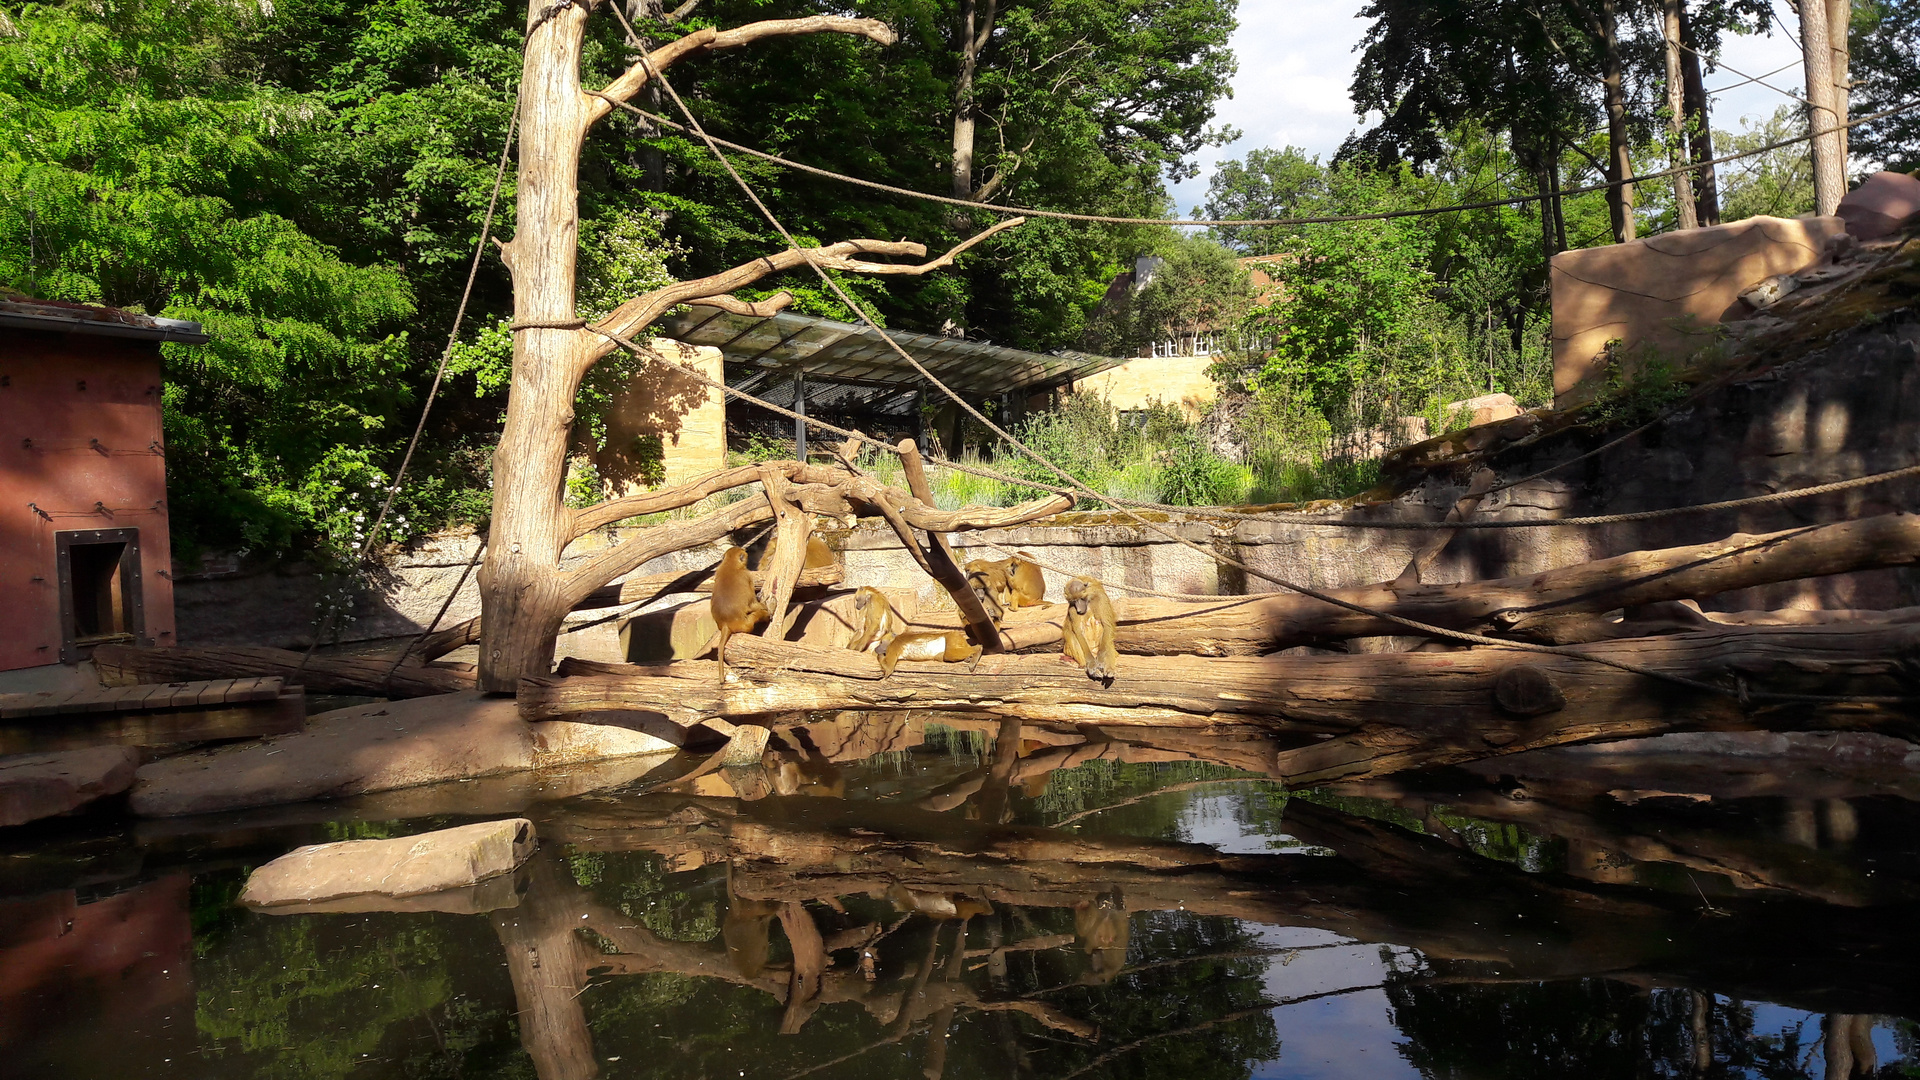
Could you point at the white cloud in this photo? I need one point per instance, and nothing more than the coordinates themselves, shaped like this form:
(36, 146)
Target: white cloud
(1296, 65)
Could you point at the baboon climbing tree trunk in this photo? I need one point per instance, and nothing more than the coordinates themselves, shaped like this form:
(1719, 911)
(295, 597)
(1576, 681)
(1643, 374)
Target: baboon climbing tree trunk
(525, 594)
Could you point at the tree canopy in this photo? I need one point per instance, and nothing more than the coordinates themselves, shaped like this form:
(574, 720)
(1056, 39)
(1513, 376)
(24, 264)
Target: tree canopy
(308, 179)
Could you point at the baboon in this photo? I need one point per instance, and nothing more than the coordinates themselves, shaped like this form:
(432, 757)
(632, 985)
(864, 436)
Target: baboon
(1100, 928)
(1023, 577)
(878, 621)
(951, 646)
(1087, 636)
(989, 581)
(818, 553)
(736, 610)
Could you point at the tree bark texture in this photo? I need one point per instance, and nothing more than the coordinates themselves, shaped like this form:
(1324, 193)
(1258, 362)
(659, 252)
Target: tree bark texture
(130, 665)
(975, 30)
(1839, 24)
(1619, 140)
(1829, 161)
(1355, 715)
(1699, 123)
(1677, 114)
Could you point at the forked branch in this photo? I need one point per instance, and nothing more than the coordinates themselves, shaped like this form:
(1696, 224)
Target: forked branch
(645, 308)
(710, 40)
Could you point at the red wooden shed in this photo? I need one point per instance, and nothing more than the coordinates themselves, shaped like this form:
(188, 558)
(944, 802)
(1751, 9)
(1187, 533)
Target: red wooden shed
(84, 555)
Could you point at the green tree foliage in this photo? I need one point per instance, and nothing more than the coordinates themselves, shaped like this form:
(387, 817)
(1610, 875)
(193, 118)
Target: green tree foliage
(1885, 66)
(1268, 184)
(1374, 320)
(1194, 288)
(308, 179)
(1778, 182)
(146, 166)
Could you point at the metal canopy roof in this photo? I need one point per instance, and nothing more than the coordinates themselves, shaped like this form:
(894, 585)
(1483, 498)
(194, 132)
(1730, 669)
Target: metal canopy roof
(757, 349)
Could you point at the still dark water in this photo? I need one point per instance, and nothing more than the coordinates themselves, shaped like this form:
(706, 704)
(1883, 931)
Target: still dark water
(887, 899)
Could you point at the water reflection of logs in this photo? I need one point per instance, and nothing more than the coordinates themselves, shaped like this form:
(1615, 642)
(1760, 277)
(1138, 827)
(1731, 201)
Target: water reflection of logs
(1375, 714)
(551, 962)
(1383, 885)
(1606, 839)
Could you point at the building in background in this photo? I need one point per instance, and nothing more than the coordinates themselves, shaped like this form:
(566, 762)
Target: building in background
(84, 554)
(1173, 371)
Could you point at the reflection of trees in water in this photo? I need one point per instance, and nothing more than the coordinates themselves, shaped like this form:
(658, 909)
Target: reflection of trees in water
(319, 997)
(1579, 1027)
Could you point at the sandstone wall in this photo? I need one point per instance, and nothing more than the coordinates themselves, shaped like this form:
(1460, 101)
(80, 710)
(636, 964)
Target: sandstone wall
(1665, 295)
(1176, 380)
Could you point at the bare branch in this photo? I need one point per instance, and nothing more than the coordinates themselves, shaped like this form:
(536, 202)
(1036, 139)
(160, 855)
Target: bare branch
(628, 84)
(657, 541)
(681, 12)
(758, 309)
(653, 502)
(645, 308)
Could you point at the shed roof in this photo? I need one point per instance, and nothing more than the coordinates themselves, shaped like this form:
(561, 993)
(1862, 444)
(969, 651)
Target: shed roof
(757, 349)
(60, 317)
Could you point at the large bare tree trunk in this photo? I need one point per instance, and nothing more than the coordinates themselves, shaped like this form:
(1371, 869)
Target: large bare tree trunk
(1619, 141)
(1829, 159)
(1378, 713)
(525, 594)
(1699, 123)
(976, 27)
(1533, 605)
(520, 593)
(1689, 215)
(1839, 24)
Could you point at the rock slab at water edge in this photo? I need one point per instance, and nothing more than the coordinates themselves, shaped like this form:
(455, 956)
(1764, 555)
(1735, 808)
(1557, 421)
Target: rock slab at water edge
(406, 866)
(34, 786)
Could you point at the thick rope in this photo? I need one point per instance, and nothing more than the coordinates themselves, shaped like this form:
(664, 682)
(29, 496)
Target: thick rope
(1326, 219)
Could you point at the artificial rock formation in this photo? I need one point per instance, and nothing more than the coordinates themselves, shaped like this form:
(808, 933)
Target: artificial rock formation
(34, 786)
(1664, 294)
(378, 747)
(406, 866)
(1881, 204)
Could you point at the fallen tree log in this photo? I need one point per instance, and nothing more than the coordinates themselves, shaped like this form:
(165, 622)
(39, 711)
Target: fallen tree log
(1238, 626)
(1376, 713)
(128, 665)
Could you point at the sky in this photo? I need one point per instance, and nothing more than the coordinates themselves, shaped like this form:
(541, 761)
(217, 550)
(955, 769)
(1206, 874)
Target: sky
(1296, 62)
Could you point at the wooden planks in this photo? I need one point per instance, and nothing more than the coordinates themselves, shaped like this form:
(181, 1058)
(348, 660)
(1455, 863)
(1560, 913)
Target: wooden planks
(150, 714)
(141, 697)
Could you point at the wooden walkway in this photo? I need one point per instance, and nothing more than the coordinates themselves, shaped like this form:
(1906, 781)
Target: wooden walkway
(152, 714)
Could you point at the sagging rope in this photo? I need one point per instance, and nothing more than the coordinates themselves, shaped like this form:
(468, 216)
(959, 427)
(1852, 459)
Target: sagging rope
(1325, 219)
(1425, 628)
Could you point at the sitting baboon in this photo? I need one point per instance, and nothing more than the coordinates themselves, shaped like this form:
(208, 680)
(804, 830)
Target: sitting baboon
(1087, 635)
(736, 609)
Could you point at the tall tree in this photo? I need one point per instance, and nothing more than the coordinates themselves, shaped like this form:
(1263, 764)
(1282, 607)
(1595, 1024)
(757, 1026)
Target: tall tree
(525, 594)
(1886, 53)
(1674, 47)
(1267, 184)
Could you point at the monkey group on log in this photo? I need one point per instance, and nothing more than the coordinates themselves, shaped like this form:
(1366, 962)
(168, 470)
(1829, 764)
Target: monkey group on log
(1003, 586)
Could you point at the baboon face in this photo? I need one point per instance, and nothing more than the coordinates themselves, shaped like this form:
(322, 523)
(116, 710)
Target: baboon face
(860, 600)
(735, 557)
(1078, 604)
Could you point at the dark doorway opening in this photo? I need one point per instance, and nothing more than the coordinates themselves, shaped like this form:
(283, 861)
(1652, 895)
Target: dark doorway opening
(99, 590)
